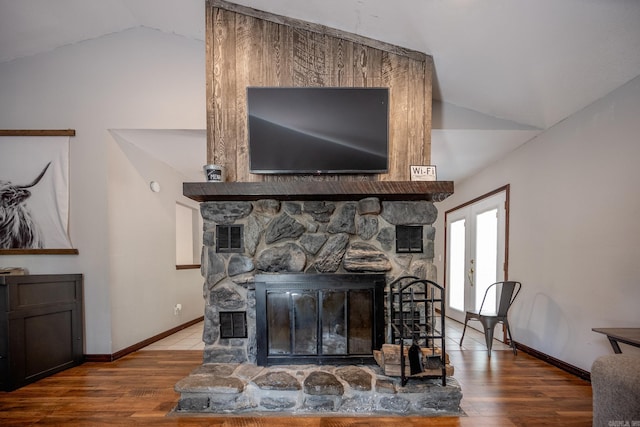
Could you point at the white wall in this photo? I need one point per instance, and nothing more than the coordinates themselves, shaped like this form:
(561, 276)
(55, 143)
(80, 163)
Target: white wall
(574, 228)
(138, 78)
(145, 285)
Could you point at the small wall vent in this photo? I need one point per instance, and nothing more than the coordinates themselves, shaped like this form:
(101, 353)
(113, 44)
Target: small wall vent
(409, 239)
(233, 324)
(229, 238)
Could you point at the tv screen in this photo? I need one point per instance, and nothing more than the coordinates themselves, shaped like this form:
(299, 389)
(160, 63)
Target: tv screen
(318, 130)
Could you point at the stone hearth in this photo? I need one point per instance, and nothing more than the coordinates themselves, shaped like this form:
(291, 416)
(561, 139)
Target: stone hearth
(308, 389)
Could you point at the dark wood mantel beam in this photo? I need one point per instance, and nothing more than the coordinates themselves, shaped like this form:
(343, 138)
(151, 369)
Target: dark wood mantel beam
(435, 191)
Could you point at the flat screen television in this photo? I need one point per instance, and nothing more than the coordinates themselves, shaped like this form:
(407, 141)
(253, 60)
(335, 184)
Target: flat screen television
(318, 130)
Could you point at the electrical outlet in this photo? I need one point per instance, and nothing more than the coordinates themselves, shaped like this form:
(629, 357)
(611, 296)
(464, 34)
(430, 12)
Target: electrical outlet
(177, 309)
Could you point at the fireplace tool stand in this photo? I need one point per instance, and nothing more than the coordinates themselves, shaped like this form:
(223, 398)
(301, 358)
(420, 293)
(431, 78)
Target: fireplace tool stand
(416, 317)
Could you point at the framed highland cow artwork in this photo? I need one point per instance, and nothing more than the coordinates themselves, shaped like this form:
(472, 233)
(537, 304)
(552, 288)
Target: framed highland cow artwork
(34, 192)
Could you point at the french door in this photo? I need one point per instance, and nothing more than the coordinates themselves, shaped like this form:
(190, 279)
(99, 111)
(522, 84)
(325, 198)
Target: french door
(476, 252)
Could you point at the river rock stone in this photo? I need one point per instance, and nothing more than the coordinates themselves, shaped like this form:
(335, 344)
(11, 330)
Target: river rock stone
(211, 331)
(321, 403)
(252, 347)
(226, 299)
(319, 383)
(193, 404)
(239, 264)
(210, 384)
(330, 256)
(357, 378)
(404, 261)
(386, 237)
(292, 208)
(424, 269)
(320, 211)
(266, 206)
(225, 212)
(367, 226)
(216, 369)
(277, 403)
(209, 238)
(429, 232)
(286, 258)
(215, 268)
(312, 242)
(277, 381)
(448, 402)
(252, 234)
(394, 404)
(358, 405)
(344, 220)
(283, 227)
(409, 212)
(247, 371)
(369, 206)
(312, 226)
(385, 385)
(365, 257)
(429, 249)
(224, 355)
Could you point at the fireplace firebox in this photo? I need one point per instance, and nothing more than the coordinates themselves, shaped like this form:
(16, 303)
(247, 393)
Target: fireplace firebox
(319, 318)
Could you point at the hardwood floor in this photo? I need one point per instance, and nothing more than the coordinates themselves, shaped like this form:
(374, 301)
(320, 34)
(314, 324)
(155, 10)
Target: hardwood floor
(505, 390)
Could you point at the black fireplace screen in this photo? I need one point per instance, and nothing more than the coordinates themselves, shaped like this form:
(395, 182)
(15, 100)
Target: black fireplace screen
(319, 318)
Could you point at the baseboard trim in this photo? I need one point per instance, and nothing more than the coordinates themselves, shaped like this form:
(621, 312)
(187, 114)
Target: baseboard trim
(117, 355)
(574, 370)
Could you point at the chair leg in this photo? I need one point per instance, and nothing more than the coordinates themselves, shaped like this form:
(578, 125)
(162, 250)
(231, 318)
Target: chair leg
(513, 344)
(488, 335)
(464, 330)
(489, 324)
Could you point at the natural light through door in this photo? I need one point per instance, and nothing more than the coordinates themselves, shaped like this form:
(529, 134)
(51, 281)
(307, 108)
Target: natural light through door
(476, 252)
(486, 257)
(457, 261)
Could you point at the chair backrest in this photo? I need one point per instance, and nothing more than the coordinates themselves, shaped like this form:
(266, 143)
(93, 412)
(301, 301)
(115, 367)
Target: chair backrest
(508, 291)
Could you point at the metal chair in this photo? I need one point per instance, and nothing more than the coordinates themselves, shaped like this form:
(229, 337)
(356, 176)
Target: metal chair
(506, 294)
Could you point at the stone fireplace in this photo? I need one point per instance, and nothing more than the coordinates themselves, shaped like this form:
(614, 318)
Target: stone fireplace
(295, 280)
(314, 239)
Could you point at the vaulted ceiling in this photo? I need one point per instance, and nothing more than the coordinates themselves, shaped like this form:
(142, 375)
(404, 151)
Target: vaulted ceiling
(505, 69)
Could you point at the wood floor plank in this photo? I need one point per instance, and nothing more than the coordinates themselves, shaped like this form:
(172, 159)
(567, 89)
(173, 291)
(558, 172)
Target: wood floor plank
(504, 390)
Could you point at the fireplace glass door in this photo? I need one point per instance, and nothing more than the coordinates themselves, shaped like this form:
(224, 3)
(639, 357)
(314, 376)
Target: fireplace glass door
(318, 318)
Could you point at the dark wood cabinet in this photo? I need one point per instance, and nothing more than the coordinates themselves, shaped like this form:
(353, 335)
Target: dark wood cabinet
(41, 327)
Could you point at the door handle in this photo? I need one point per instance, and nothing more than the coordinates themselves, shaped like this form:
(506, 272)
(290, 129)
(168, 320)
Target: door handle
(470, 274)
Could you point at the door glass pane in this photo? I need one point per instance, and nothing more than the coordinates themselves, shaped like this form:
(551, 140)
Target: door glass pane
(334, 331)
(278, 323)
(486, 258)
(456, 265)
(360, 322)
(305, 326)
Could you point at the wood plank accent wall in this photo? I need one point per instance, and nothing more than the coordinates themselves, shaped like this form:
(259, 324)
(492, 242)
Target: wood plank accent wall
(247, 47)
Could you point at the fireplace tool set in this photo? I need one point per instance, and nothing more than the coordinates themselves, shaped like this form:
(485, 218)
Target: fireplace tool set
(416, 315)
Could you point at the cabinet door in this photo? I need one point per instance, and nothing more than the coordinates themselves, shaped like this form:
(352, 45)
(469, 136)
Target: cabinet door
(44, 327)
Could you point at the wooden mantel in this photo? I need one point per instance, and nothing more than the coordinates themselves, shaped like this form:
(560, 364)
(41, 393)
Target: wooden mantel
(435, 191)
